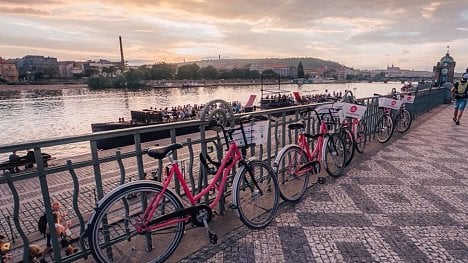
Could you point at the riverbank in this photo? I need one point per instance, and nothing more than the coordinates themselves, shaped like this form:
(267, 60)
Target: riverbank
(19, 87)
(41, 87)
(153, 85)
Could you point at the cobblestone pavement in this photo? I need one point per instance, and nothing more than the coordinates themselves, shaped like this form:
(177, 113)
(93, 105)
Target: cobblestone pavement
(407, 202)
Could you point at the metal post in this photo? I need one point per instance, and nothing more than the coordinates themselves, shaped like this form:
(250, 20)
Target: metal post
(47, 203)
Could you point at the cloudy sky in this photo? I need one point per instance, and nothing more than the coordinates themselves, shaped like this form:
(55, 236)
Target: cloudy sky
(371, 34)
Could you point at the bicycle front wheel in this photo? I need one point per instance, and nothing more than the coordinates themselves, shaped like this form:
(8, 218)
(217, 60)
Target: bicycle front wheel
(113, 236)
(384, 128)
(404, 121)
(293, 177)
(256, 194)
(334, 155)
(361, 136)
(348, 140)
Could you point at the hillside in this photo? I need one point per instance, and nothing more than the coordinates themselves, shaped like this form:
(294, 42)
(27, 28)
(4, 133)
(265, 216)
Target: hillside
(292, 62)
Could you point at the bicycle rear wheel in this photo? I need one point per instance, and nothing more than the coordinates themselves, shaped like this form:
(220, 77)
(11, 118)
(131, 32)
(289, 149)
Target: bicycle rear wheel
(256, 194)
(349, 144)
(404, 120)
(113, 236)
(384, 128)
(334, 155)
(361, 136)
(292, 182)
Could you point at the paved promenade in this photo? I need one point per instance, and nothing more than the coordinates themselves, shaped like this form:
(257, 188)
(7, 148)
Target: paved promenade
(404, 201)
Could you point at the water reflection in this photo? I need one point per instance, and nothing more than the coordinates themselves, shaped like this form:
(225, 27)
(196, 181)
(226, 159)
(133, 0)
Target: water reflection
(9, 94)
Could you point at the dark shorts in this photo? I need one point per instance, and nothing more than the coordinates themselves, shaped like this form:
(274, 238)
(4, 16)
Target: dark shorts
(460, 104)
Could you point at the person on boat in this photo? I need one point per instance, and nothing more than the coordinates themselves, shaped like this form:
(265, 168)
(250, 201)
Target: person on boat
(460, 93)
(30, 159)
(14, 160)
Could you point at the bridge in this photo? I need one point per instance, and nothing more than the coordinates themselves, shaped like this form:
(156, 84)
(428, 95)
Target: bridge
(402, 201)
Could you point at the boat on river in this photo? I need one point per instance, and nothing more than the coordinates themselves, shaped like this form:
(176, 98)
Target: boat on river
(144, 118)
(273, 98)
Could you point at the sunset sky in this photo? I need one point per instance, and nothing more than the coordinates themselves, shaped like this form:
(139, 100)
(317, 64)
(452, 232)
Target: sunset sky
(411, 34)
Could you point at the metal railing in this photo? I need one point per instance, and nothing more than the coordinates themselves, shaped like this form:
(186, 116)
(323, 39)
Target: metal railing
(80, 181)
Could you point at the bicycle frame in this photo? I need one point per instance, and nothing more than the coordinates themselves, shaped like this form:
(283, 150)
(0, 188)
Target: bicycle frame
(316, 154)
(352, 125)
(232, 157)
(392, 114)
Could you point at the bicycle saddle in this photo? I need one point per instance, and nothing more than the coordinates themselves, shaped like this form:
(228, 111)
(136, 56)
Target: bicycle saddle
(161, 152)
(296, 125)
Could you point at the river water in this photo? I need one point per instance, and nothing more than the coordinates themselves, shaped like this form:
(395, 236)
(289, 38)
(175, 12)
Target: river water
(43, 114)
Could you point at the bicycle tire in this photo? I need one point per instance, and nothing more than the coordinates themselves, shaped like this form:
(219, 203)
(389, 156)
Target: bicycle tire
(334, 149)
(349, 143)
(361, 136)
(404, 120)
(384, 128)
(246, 192)
(119, 238)
(291, 185)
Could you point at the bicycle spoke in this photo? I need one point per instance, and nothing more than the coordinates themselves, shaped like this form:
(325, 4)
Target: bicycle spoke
(293, 173)
(114, 236)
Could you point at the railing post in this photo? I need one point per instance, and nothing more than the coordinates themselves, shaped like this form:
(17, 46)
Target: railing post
(139, 156)
(173, 140)
(97, 170)
(47, 204)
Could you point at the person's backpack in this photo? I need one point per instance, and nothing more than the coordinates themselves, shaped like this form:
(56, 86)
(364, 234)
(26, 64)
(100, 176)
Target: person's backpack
(42, 224)
(464, 93)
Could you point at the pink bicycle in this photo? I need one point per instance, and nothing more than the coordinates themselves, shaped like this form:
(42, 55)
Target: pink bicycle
(144, 221)
(295, 162)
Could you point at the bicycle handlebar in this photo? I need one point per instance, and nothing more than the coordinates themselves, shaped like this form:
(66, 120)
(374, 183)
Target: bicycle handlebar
(320, 118)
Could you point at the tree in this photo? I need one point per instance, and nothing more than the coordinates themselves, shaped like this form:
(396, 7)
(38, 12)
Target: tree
(269, 74)
(189, 71)
(163, 71)
(209, 72)
(300, 70)
(254, 74)
(99, 83)
(119, 82)
(134, 78)
(145, 71)
(224, 74)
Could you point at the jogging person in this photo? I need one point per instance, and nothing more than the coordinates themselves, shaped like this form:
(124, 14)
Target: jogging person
(460, 95)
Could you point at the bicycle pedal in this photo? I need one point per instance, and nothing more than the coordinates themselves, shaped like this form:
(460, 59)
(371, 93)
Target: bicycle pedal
(213, 238)
(321, 180)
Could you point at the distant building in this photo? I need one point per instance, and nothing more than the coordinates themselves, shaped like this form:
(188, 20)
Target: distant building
(101, 68)
(70, 69)
(280, 69)
(8, 71)
(37, 67)
(396, 72)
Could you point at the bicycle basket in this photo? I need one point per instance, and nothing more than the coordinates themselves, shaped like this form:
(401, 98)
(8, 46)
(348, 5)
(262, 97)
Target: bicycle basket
(253, 133)
(332, 118)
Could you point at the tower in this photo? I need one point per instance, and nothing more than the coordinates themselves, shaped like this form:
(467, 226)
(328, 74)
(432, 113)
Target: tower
(122, 61)
(444, 70)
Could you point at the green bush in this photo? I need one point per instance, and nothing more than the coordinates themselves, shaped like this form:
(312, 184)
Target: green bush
(119, 82)
(99, 83)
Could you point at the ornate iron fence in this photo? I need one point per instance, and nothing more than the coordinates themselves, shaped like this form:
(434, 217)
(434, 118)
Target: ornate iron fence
(80, 181)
